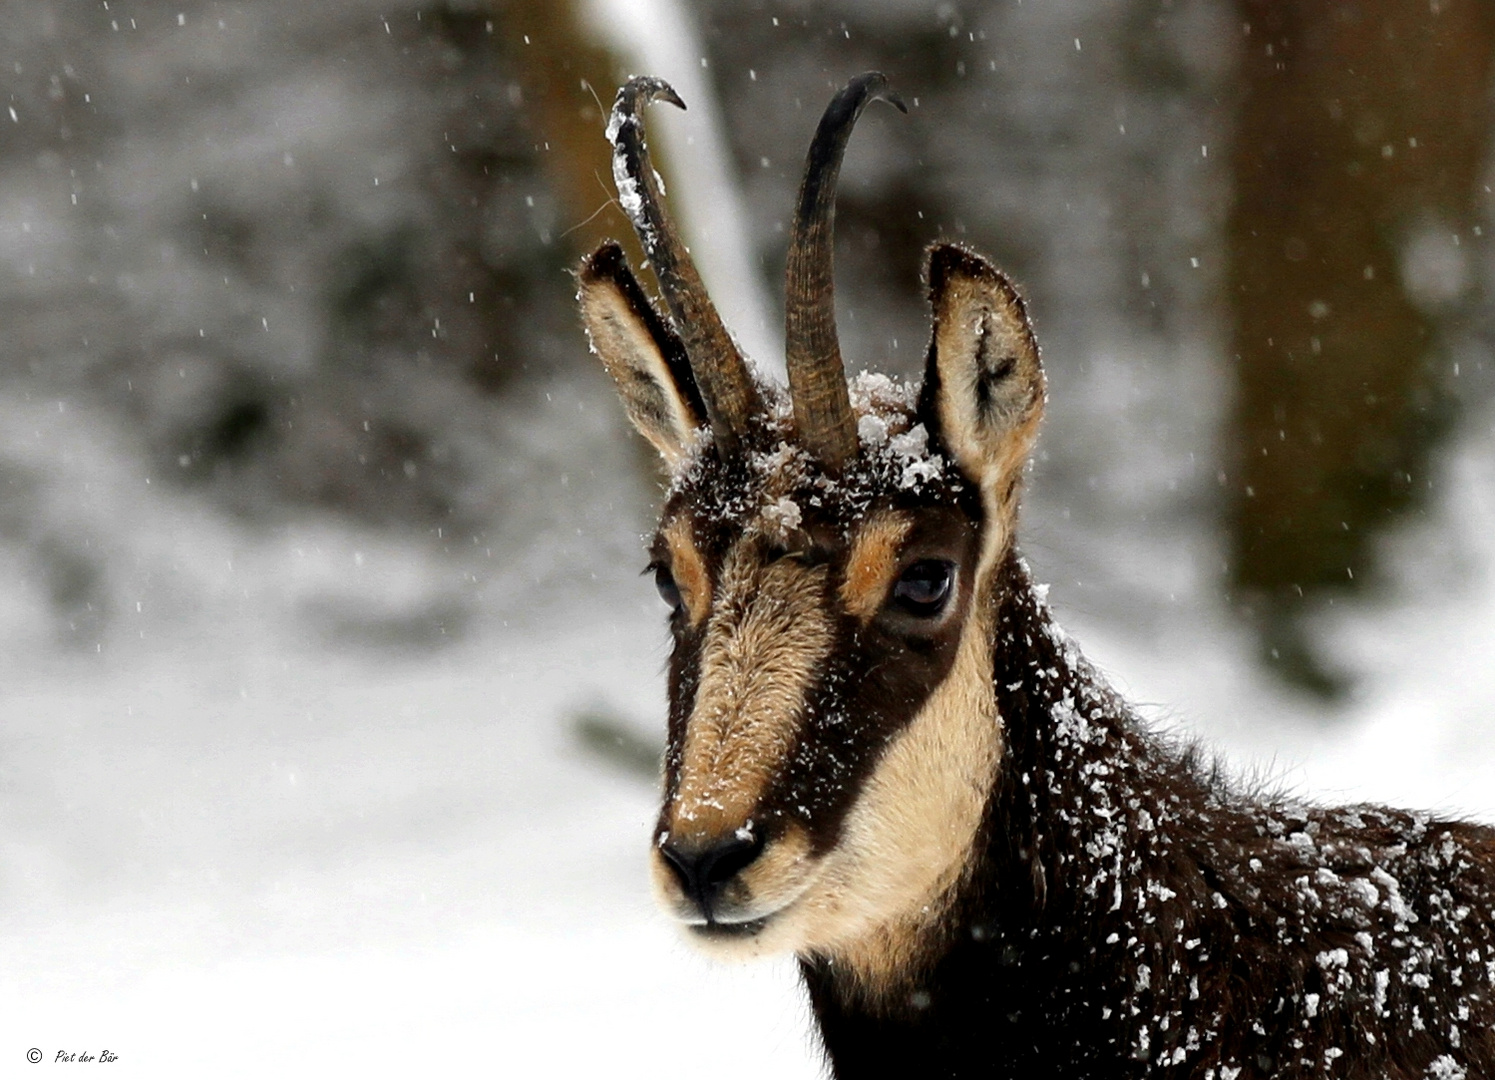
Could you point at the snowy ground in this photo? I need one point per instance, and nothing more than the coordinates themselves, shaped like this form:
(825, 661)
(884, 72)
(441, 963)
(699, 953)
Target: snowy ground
(260, 829)
(231, 846)
(276, 863)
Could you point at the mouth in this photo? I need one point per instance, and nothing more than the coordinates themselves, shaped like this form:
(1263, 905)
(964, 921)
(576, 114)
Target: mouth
(750, 910)
(731, 931)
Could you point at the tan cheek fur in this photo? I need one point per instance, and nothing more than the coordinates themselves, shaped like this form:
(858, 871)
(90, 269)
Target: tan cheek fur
(767, 635)
(873, 561)
(877, 898)
(907, 839)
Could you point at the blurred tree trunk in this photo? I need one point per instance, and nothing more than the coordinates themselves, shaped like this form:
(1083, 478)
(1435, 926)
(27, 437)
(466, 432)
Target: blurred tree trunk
(570, 80)
(1361, 135)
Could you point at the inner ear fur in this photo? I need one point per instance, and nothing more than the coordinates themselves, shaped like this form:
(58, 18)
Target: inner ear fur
(641, 352)
(983, 392)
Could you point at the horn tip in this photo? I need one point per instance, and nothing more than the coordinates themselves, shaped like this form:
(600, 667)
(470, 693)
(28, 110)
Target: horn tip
(875, 85)
(649, 88)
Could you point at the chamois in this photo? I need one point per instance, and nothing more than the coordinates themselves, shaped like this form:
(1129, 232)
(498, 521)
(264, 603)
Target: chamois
(885, 757)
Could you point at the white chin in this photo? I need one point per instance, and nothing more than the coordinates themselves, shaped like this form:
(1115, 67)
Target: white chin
(767, 936)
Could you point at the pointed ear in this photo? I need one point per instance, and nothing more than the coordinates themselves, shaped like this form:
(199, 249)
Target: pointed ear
(641, 353)
(983, 392)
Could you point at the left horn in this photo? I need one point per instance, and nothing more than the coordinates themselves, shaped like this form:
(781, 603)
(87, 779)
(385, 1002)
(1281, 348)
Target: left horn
(817, 378)
(727, 388)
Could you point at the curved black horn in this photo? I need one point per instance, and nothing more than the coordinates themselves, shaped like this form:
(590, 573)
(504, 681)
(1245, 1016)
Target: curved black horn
(727, 388)
(817, 380)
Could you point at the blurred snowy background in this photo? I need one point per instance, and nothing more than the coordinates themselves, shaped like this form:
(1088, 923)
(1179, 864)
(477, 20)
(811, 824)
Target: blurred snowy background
(330, 687)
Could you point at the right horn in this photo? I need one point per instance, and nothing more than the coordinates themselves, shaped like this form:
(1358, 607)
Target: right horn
(727, 388)
(812, 353)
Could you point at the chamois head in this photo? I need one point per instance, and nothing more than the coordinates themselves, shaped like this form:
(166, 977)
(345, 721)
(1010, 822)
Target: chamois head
(828, 557)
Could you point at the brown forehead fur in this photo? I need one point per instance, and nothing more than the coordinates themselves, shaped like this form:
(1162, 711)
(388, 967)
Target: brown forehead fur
(767, 635)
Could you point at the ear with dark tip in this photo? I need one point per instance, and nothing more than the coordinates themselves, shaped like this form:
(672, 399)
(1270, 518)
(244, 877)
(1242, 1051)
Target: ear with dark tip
(983, 392)
(641, 353)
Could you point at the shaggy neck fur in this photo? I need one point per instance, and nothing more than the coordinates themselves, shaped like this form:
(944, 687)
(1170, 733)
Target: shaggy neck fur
(1126, 915)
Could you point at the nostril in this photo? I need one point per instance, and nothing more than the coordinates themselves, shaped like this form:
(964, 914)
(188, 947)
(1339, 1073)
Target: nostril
(720, 864)
(682, 863)
(703, 870)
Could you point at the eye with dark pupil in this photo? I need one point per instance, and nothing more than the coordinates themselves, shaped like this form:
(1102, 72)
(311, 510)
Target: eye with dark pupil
(924, 588)
(669, 592)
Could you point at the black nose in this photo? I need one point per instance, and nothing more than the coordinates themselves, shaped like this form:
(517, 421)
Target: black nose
(704, 868)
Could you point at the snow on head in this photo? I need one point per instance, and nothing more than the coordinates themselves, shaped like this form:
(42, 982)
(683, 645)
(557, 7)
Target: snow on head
(873, 392)
(783, 484)
(776, 461)
(885, 407)
(872, 430)
(782, 515)
(920, 465)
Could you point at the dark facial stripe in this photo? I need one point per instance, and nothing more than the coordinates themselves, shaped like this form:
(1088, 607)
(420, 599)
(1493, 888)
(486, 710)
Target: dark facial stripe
(878, 676)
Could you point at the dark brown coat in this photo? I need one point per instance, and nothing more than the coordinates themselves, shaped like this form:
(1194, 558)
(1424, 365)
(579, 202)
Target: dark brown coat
(1127, 914)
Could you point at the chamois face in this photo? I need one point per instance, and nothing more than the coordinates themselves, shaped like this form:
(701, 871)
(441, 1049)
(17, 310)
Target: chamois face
(814, 618)
(827, 558)
(832, 732)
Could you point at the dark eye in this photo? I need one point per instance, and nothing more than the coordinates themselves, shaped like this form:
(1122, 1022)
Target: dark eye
(925, 587)
(669, 592)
